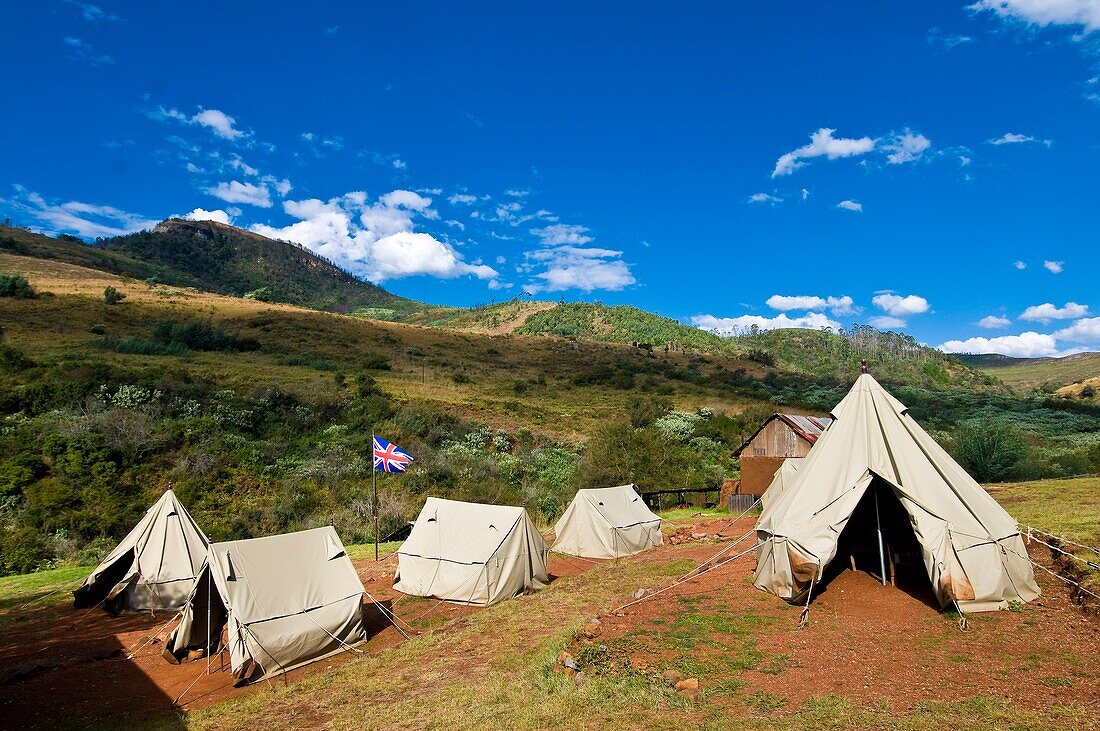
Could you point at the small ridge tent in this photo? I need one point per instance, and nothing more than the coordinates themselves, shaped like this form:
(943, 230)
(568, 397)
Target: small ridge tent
(285, 600)
(153, 567)
(472, 553)
(874, 460)
(609, 522)
(783, 478)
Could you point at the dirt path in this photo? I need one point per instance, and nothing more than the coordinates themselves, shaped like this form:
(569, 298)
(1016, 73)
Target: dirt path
(71, 669)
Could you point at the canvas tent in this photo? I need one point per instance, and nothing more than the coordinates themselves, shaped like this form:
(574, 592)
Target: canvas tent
(609, 522)
(153, 567)
(875, 452)
(473, 553)
(783, 478)
(285, 600)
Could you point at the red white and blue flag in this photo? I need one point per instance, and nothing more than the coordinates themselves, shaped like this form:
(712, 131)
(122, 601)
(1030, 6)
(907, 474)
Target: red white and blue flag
(390, 457)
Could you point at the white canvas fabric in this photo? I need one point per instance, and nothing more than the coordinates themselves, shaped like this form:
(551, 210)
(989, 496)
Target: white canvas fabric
(472, 553)
(154, 565)
(971, 547)
(285, 600)
(783, 478)
(609, 522)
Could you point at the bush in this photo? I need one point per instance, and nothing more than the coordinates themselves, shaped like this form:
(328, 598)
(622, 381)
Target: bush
(992, 451)
(200, 335)
(112, 296)
(375, 362)
(15, 285)
(643, 411)
(263, 294)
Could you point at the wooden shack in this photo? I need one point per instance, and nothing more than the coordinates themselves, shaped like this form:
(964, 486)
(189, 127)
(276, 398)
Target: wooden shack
(780, 437)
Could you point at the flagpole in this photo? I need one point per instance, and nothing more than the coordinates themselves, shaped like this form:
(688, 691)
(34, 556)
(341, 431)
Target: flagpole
(374, 477)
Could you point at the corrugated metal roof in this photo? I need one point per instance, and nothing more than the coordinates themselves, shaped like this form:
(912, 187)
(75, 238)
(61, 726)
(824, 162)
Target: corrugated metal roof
(809, 427)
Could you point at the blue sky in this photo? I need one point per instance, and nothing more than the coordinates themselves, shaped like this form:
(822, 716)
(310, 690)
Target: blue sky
(925, 167)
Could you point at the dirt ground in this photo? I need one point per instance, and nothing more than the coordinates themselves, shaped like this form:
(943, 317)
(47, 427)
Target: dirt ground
(72, 667)
(69, 668)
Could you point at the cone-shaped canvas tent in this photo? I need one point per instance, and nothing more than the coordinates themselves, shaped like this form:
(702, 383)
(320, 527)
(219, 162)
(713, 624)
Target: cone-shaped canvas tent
(609, 522)
(153, 567)
(784, 477)
(285, 600)
(473, 553)
(971, 548)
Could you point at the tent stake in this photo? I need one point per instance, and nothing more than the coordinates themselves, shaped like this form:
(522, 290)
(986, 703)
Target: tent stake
(878, 529)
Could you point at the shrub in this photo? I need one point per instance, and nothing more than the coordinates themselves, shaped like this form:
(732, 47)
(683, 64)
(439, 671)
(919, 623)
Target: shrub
(199, 335)
(1088, 391)
(263, 294)
(992, 451)
(461, 378)
(15, 285)
(112, 296)
(375, 362)
(643, 411)
(98, 329)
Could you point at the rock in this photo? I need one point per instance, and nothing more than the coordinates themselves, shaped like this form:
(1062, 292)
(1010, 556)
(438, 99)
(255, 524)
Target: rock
(592, 629)
(698, 536)
(579, 678)
(564, 657)
(672, 675)
(639, 594)
(688, 687)
(569, 672)
(196, 654)
(571, 664)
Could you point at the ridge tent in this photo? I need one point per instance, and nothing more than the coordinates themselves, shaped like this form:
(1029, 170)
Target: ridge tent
(609, 522)
(472, 553)
(875, 454)
(286, 600)
(154, 565)
(783, 478)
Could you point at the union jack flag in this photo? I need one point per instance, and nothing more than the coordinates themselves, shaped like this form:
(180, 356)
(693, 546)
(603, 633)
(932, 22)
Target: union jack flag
(390, 457)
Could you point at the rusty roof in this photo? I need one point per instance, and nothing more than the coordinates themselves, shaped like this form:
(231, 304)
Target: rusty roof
(807, 427)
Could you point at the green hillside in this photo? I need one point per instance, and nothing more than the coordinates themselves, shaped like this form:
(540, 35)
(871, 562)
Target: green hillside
(1035, 372)
(218, 258)
(620, 324)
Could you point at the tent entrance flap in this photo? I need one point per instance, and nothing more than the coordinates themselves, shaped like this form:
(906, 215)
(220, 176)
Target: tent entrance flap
(880, 510)
(92, 594)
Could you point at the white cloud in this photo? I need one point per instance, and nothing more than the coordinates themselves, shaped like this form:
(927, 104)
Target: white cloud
(886, 322)
(215, 120)
(83, 51)
(993, 322)
(1054, 267)
(561, 233)
(1025, 345)
(455, 224)
(906, 147)
(219, 122)
(203, 215)
(517, 193)
(805, 194)
(374, 240)
(1020, 265)
(899, 306)
(1086, 330)
(399, 164)
(237, 192)
(764, 198)
(1045, 12)
(822, 143)
(964, 161)
(93, 13)
(577, 267)
(836, 305)
(850, 205)
(734, 326)
(83, 219)
(938, 37)
(1013, 138)
(1048, 311)
(462, 199)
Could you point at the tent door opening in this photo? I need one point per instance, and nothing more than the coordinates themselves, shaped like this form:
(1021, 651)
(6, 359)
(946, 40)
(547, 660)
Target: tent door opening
(97, 592)
(899, 563)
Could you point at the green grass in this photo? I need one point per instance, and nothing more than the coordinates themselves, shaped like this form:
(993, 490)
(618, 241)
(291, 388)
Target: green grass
(1028, 372)
(1069, 508)
(680, 514)
(38, 591)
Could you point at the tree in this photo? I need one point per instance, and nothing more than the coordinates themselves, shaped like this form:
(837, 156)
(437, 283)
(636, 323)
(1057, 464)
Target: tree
(992, 451)
(112, 296)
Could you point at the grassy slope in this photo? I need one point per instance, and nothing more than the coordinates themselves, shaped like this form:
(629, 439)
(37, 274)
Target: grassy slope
(58, 326)
(620, 324)
(223, 259)
(1031, 372)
